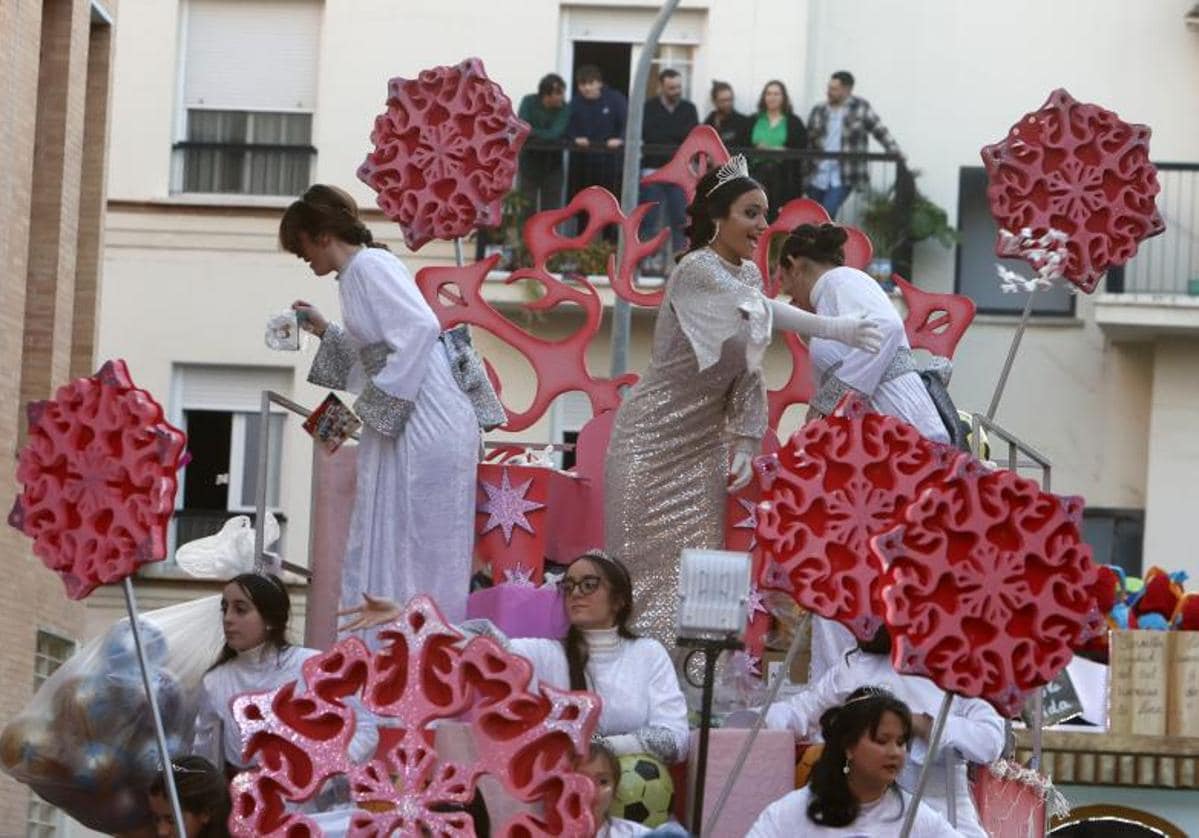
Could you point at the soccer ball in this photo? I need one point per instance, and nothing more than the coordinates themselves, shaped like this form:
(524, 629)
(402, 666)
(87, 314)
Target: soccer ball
(645, 791)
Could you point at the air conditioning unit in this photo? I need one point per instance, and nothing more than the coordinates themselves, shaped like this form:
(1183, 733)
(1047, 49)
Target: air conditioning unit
(713, 592)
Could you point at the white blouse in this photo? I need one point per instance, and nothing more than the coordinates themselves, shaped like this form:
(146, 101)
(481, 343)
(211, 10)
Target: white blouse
(788, 817)
(620, 828)
(973, 729)
(844, 291)
(643, 708)
(262, 668)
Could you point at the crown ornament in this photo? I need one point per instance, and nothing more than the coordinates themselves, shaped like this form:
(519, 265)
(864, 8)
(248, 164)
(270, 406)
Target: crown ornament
(734, 169)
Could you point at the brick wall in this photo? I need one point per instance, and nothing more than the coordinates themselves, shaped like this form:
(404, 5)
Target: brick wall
(54, 81)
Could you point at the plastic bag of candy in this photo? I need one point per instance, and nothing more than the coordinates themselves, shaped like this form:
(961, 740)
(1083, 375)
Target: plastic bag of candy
(85, 742)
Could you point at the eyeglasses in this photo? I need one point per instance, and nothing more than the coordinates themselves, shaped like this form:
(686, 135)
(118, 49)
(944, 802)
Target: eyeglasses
(585, 585)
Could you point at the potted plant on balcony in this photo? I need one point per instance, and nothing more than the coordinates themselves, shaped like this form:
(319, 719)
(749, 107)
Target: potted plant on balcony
(884, 222)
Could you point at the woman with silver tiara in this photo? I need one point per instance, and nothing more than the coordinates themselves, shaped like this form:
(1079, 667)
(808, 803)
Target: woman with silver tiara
(687, 432)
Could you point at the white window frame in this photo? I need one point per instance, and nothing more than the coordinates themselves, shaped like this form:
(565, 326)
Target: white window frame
(42, 819)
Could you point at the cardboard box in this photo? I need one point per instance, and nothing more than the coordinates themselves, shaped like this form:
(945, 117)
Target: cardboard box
(1139, 692)
(1183, 717)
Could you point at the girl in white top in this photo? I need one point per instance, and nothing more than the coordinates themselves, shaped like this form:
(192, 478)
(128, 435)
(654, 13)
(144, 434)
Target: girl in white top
(973, 730)
(852, 790)
(813, 272)
(255, 609)
(602, 766)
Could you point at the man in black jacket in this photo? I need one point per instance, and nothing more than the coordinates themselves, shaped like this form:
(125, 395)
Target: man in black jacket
(667, 120)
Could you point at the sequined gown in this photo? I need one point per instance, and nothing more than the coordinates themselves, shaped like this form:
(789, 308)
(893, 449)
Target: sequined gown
(666, 471)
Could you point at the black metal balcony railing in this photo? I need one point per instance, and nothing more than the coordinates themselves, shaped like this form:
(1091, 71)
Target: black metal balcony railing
(887, 173)
(1168, 263)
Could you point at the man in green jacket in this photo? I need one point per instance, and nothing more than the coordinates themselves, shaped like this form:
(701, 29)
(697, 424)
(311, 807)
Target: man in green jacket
(540, 165)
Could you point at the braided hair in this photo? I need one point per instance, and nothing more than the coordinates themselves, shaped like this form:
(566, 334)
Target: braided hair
(324, 209)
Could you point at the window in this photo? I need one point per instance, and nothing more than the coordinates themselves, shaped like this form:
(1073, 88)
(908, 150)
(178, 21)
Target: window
(220, 410)
(976, 260)
(1116, 536)
(568, 414)
(673, 57)
(249, 90)
(50, 652)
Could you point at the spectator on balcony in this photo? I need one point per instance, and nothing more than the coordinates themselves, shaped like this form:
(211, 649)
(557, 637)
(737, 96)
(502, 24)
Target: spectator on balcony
(541, 168)
(843, 125)
(777, 127)
(596, 128)
(668, 119)
(733, 127)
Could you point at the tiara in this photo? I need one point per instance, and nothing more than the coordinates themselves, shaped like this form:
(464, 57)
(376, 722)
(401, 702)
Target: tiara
(734, 169)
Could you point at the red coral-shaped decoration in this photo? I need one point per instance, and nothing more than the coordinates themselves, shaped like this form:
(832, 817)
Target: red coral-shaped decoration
(935, 322)
(422, 674)
(1080, 169)
(445, 152)
(989, 585)
(99, 472)
(701, 150)
(836, 484)
(456, 296)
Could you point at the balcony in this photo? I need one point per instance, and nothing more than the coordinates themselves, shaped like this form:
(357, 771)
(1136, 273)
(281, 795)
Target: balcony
(1157, 293)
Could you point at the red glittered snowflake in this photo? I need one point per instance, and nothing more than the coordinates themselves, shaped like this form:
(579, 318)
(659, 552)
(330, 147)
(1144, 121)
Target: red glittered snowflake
(1077, 168)
(423, 674)
(837, 483)
(98, 474)
(989, 585)
(445, 152)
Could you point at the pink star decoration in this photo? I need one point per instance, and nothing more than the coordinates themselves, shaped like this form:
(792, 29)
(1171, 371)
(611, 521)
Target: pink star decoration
(749, 522)
(507, 507)
(519, 575)
(756, 604)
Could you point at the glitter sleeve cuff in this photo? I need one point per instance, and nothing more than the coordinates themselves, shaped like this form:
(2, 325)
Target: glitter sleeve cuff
(386, 414)
(660, 742)
(334, 360)
(471, 376)
(830, 392)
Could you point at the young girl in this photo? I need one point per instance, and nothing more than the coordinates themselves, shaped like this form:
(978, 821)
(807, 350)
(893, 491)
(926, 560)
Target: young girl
(853, 790)
(203, 797)
(602, 766)
(422, 396)
(257, 657)
(687, 432)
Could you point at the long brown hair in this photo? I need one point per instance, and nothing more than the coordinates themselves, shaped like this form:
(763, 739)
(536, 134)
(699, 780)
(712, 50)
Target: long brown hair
(321, 210)
(620, 591)
(270, 598)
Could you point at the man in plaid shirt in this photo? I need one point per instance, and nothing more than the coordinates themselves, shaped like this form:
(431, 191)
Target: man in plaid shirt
(843, 125)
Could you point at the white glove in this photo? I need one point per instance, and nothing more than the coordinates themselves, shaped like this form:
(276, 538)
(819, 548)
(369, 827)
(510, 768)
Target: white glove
(741, 463)
(859, 331)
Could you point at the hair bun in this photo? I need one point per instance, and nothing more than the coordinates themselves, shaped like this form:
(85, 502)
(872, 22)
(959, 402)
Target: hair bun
(831, 236)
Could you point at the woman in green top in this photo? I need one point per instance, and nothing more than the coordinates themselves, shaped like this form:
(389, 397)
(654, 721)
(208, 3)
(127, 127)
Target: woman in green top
(777, 126)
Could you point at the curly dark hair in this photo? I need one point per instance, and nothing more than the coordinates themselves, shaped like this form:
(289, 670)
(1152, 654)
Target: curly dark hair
(706, 210)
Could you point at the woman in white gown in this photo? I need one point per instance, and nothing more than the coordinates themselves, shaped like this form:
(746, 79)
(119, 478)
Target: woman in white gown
(852, 790)
(974, 732)
(421, 396)
(815, 275)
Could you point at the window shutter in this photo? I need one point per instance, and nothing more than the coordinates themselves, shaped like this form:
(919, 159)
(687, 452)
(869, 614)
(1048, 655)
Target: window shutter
(258, 55)
(236, 389)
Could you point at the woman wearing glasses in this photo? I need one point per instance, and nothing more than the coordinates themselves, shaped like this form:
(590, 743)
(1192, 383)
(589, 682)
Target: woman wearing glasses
(643, 708)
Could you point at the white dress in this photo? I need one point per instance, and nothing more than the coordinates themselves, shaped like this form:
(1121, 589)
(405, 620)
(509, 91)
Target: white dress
(787, 817)
(973, 730)
(837, 369)
(412, 529)
(643, 708)
(262, 668)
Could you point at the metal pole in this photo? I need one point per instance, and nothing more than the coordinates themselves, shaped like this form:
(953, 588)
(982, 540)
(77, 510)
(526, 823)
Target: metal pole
(759, 722)
(909, 817)
(631, 176)
(951, 788)
(1011, 357)
(159, 733)
(458, 257)
(264, 449)
(711, 651)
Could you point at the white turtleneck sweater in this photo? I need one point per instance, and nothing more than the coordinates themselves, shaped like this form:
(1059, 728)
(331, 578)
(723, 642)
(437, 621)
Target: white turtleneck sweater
(257, 670)
(644, 710)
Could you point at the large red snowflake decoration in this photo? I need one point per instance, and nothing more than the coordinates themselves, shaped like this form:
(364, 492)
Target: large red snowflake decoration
(98, 471)
(456, 296)
(836, 484)
(423, 673)
(1080, 169)
(989, 585)
(701, 150)
(445, 152)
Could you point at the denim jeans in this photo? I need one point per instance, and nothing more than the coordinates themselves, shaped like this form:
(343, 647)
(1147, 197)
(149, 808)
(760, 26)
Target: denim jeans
(831, 199)
(672, 204)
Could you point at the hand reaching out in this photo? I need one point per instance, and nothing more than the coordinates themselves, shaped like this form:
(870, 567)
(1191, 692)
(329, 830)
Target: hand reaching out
(310, 318)
(373, 612)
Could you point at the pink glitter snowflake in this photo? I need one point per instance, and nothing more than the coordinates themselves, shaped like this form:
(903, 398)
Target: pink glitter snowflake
(988, 585)
(1080, 169)
(99, 473)
(445, 152)
(424, 673)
